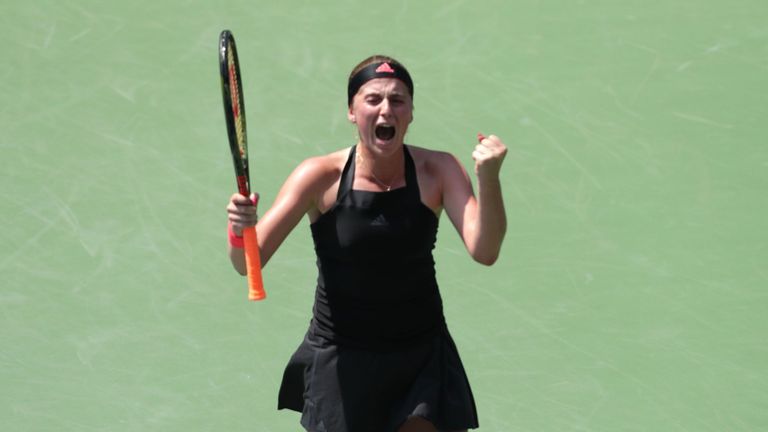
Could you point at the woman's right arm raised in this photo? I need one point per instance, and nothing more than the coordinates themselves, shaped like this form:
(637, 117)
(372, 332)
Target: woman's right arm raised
(297, 196)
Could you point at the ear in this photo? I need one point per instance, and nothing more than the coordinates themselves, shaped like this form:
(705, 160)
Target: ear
(351, 115)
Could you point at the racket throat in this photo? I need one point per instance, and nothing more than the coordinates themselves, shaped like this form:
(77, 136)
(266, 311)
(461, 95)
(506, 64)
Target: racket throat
(242, 185)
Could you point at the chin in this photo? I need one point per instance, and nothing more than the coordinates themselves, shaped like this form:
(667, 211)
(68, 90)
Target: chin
(388, 147)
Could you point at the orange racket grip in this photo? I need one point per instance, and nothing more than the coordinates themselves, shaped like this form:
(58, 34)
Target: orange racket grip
(253, 265)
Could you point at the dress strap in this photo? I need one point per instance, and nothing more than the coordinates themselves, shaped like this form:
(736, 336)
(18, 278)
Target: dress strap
(411, 180)
(347, 175)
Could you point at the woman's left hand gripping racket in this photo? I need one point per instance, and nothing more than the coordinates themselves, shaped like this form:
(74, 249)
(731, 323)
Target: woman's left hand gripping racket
(234, 113)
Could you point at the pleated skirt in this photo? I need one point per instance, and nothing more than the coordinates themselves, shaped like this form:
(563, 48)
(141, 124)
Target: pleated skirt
(343, 389)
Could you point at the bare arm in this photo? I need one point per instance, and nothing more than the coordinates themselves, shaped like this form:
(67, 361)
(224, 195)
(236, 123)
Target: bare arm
(480, 220)
(297, 196)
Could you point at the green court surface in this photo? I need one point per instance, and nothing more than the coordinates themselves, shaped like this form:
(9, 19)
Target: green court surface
(631, 291)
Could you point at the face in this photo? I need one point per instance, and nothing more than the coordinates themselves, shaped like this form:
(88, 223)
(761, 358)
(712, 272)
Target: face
(382, 110)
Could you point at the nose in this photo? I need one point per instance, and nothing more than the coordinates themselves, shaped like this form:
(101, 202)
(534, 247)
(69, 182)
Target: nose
(386, 107)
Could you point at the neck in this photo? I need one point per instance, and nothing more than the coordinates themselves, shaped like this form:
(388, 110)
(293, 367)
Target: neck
(385, 171)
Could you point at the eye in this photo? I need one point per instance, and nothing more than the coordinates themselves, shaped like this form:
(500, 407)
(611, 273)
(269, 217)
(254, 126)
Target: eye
(397, 100)
(373, 99)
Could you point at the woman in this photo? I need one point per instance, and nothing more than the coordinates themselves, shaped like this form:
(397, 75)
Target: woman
(378, 355)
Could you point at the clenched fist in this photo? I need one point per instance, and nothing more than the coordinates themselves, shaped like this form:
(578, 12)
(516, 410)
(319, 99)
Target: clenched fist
(488, 155)
(242, 212)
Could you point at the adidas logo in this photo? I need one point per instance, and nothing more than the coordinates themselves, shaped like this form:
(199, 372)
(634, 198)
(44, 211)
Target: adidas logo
(385, 68)
(380, 220)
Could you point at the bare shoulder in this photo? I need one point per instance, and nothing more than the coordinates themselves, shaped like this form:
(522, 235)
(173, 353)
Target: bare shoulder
(316, 179)
(435, 170)
(321, 171)
(435, 163)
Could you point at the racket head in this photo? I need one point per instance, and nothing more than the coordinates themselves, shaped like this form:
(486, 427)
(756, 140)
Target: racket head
(234, 109)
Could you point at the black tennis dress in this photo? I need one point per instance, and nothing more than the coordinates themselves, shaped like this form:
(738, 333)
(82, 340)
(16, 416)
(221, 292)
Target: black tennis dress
(377, 350)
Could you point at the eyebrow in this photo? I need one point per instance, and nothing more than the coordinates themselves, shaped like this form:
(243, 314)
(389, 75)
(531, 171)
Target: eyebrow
(372, 92)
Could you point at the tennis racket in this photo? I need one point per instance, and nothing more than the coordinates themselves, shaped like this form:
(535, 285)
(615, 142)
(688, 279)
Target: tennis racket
(234, 114)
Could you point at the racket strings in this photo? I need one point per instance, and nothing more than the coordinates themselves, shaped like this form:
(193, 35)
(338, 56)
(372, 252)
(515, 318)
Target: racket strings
(234, 89)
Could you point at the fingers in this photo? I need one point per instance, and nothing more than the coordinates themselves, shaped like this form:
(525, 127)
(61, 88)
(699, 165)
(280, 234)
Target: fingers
(242, 211)
(488, 154)
(490, 146)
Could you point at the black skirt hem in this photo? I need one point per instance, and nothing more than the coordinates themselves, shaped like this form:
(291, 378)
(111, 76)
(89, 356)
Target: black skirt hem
(342, 389)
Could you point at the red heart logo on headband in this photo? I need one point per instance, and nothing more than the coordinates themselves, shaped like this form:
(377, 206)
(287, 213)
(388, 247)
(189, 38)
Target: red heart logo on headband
(385, 68)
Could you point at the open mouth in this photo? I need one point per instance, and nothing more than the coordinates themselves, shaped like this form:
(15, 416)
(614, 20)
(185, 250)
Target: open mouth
(385, 132)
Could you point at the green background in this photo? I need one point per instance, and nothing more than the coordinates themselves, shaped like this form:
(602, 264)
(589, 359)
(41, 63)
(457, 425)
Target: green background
(631, 290)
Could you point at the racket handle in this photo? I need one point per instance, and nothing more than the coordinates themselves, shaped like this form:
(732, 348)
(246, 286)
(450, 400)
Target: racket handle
(253, 265)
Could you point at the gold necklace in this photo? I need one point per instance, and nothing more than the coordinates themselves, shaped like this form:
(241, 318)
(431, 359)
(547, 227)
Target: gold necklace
(388, 187)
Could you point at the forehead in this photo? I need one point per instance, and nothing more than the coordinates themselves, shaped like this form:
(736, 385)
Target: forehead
(384, 85)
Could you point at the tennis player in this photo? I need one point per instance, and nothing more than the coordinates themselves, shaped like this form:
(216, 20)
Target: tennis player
(378, 355)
